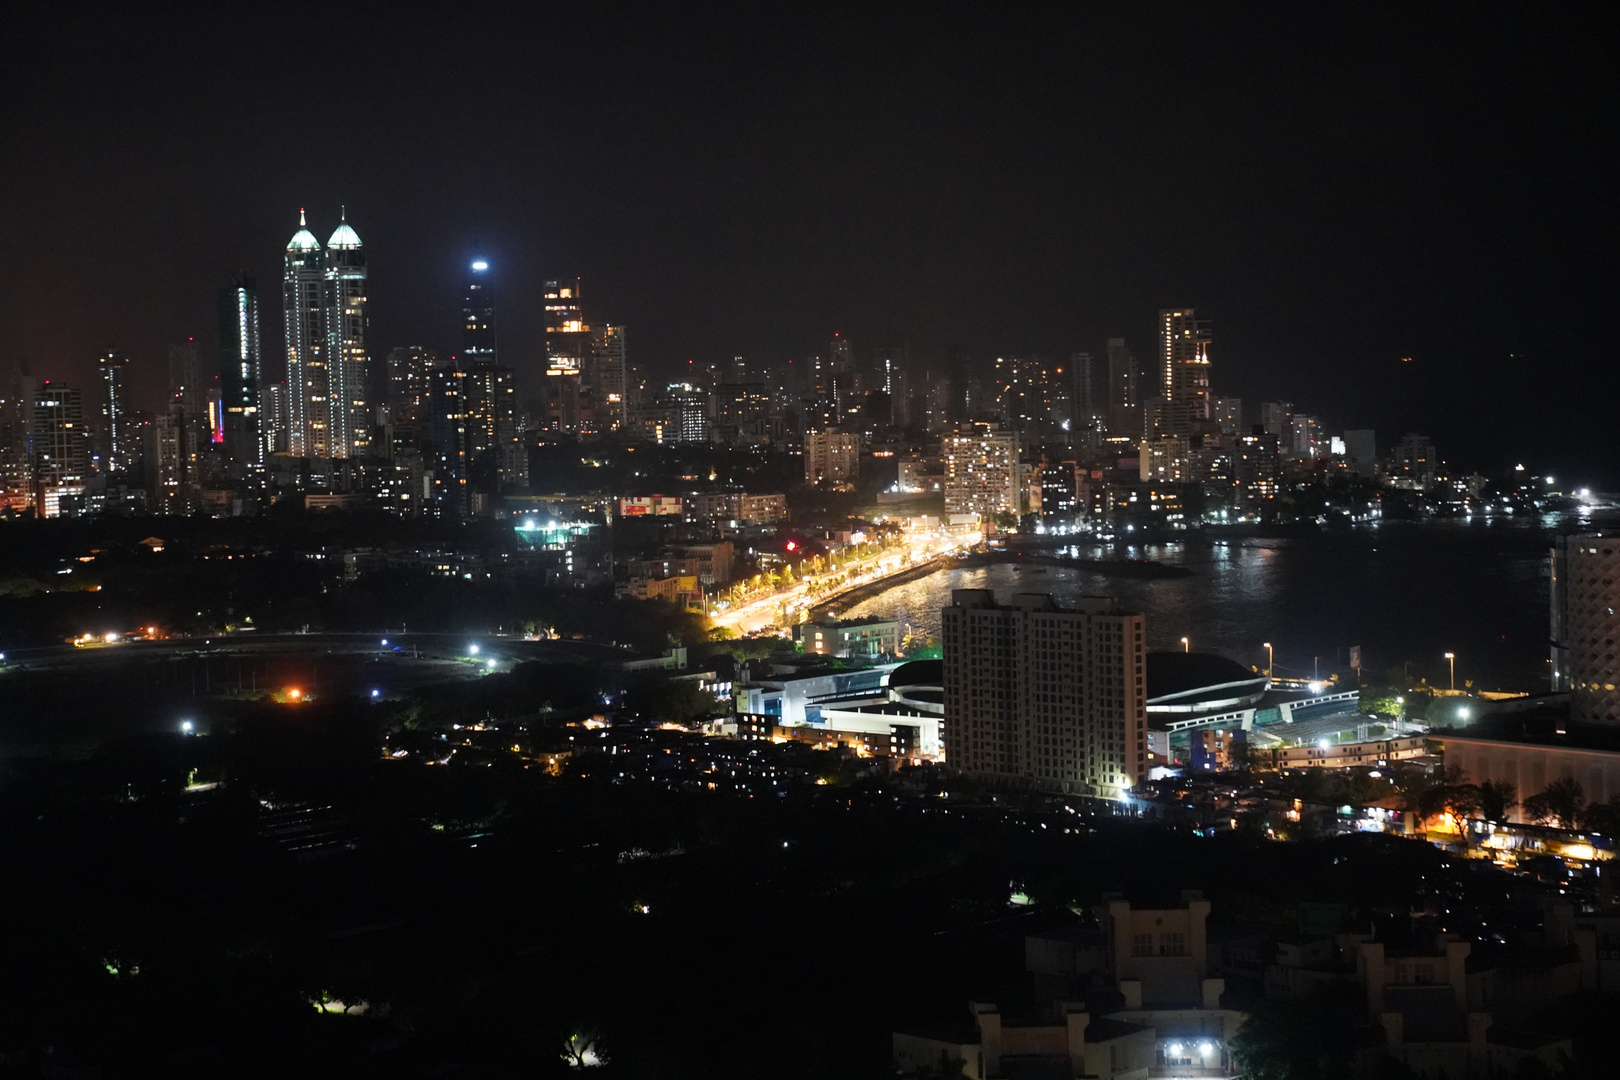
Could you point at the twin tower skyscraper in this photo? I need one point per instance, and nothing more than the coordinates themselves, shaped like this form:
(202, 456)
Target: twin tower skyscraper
(326, 409)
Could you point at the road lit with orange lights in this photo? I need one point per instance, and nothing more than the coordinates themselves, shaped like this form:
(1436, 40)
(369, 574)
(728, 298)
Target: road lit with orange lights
(787, 606)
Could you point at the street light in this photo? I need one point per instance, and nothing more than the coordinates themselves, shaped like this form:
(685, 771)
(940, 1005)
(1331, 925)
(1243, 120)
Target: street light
(1186, 646)
(1451, 658)
(1269, 655)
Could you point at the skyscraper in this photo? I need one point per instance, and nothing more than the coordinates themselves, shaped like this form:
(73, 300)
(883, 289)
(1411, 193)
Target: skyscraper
(408, 369)
(1124, 390)
(347, 322)
(1585, 569)
(191, 395)
(494, 447)
(476, 434)
(1084, 401)
(1040, 696)
(16, 448)
(61, 446)
(604, 378)
(478, 315)
(981, 473)
(447, 412)
(240, 364)
(831, 457)
(1184, 355)
(112, 409)
(304, 315)
(567, 342)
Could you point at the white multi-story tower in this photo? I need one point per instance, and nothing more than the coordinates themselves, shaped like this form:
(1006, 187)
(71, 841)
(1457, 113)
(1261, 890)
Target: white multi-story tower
(347, 320)
(981, 473)
(304, 314)
(1040, 696)
(61, 446)
(1585, 597)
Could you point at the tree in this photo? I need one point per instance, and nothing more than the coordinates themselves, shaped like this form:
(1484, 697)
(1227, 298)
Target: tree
(1433, 794)
(681, 701)
(1463, 802)
(1560, 801)
(1301, 1040)
(1496, 799)
(583, 1050)
(1604, 818)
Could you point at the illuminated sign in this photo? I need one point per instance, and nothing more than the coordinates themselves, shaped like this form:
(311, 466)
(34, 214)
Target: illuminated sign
(650, 506)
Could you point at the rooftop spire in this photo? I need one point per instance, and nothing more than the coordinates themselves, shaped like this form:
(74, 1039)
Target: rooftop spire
(302, 224)
(343, 214)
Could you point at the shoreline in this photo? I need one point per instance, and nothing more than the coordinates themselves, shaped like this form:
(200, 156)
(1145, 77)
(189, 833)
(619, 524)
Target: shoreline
(1133, 568)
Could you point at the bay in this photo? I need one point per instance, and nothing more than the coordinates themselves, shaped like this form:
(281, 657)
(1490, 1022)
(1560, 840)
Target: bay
(1406, 592)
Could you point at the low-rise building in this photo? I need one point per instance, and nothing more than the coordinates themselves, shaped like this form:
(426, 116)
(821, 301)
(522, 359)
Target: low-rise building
(682, 589)
(869, 638)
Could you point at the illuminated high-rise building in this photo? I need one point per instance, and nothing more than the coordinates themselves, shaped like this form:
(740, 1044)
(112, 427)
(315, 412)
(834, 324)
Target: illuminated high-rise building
(1042, 696)
(476, 434)
(408, 369)
(16, 446)
(831, 457)
(478, 315)
(981, 472)
(567, 343)
(1585, 569)
(303, 306)
(447, 419)
(240, 370)
(274, 425)
(1184, 360)
(347, 322)
(1227, 412)
(61, 446)
(494, 430)
(112, 407)
(604, 378)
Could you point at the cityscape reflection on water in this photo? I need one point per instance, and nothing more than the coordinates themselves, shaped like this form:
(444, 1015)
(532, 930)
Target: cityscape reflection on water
(1403, 591)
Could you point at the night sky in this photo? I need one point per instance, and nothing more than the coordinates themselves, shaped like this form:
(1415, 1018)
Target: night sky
(1332, 189)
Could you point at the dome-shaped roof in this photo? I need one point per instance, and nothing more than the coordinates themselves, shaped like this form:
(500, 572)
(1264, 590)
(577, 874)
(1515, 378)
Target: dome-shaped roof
(303, 239)
(1194, 682)
(344, 237)
(918, 673)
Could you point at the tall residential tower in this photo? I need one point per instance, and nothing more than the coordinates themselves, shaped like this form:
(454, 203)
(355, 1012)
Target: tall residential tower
(1184, 359)
(347, 322)
(1041, 696)
(113, 437)
(478, 315)
(304, 317)
(240, 364)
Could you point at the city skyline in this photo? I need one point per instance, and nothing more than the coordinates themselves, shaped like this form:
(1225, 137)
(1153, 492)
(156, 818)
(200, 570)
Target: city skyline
(725, 205)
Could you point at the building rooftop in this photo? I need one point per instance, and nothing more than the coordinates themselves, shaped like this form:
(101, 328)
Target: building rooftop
(918, 673)
(1190, 674)
(1547, 725)
(344, 237)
